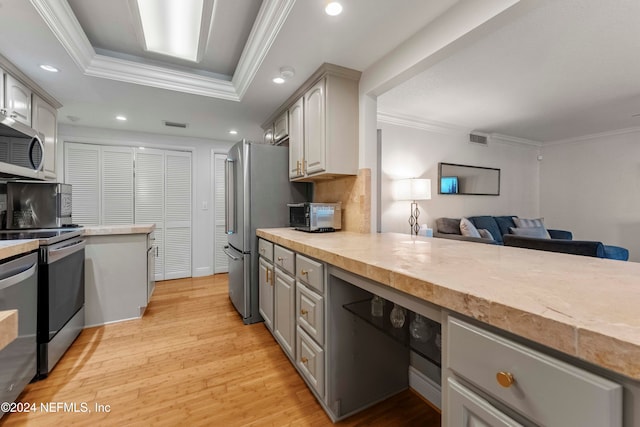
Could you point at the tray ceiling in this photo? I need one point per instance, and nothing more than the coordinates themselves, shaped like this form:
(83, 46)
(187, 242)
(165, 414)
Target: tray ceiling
(111, 30)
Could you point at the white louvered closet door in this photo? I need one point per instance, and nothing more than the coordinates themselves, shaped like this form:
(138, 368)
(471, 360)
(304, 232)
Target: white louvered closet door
(220, 261)
(149, 198)
(117, 185)
(82, 171)
(177, 215)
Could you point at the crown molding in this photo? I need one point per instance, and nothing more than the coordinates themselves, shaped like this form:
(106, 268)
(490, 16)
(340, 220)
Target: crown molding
(585, 138)
(271, 17)
(420, 123)
(448, 128)
(497, 137)
(60, 18)
(164, 78)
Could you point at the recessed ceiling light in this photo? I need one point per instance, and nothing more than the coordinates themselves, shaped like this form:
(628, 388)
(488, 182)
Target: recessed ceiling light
(121, 118)
(334, 8)
(141, 148)
(233, 132)
(49, 68)
(285, 74)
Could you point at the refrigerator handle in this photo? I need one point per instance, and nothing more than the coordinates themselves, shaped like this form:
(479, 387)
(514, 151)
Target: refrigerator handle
(230, 200)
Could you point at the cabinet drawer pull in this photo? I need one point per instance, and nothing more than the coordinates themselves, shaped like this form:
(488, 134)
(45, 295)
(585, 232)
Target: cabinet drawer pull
(281, 259)
(261, 250)
(304, 360)
(303, 312)
(505, 379)
(305, 272)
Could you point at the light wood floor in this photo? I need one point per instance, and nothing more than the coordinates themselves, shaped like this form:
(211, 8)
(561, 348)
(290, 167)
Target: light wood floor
(191, 361)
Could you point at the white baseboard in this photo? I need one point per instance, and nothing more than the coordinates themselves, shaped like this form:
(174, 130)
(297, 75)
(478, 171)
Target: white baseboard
(425, 387)
(202, 271)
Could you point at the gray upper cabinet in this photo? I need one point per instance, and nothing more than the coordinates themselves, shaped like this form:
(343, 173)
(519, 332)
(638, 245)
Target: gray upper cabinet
(322, 125)
(296, 139)
(281, 127)
(1, 88)
(44, 120)
(17, 100)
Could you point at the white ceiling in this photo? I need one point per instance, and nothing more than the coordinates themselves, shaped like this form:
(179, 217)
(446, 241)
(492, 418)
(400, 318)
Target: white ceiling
(566, 69)
(365, 32)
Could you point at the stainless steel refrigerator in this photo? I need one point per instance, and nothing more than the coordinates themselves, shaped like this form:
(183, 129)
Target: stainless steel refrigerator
(257, 190)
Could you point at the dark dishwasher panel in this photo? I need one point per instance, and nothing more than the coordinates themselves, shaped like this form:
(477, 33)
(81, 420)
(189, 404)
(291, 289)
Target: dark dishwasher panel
(19, 291)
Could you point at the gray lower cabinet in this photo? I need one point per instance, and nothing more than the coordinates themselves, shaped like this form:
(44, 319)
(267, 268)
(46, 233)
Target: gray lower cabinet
(284, 307)
(265, 291)
(468, 409)
(540, 389)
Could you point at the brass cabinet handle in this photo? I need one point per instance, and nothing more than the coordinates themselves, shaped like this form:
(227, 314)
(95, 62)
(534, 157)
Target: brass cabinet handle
(304, 360)
(261, 250)
(505, 379)
(269, 277)
(281, 259)
(304, 312)
(305, 272)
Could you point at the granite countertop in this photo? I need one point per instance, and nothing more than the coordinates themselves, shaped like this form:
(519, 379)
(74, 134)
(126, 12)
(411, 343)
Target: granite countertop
(9, 248)
(582, 306)
(103, 230)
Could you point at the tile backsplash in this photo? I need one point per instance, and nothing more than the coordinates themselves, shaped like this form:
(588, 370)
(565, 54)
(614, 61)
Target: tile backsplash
(355, 194)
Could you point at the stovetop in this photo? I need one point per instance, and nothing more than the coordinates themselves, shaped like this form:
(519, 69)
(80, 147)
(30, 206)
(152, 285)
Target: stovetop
(45, 236)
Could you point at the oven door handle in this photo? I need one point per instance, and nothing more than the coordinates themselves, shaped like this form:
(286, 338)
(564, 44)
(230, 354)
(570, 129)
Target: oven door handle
(56, 254)
(17, 278)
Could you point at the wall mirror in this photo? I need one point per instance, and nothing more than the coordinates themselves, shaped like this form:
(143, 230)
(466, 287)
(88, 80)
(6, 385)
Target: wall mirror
(464, 179)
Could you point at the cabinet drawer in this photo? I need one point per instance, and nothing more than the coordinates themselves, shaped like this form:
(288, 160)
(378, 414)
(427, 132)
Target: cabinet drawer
(310, 312)
(310, 272)
(468, 409)
(545, 390)
(310, 361)
(284, 258)
(265, 249)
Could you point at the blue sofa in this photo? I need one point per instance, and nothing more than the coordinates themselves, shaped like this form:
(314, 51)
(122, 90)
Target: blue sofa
(499, 227)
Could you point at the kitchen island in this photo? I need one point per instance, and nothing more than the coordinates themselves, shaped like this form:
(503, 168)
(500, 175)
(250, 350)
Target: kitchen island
(580, 310)
(119, 264)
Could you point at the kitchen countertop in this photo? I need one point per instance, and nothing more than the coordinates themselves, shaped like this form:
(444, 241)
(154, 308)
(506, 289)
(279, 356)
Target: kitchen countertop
(8, 327)
(103, 230)
(582, 306)
(9, 248)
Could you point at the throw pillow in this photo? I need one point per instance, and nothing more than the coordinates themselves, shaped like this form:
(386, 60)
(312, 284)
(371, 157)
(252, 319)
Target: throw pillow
(468, 229)
(526, 223)
(538, 232)
(485, 234)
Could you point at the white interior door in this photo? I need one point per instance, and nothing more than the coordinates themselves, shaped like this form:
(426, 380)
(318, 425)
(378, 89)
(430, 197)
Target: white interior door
(117, 185)
(220, 237)
(82, 171)
(177, 215)
(149, 199)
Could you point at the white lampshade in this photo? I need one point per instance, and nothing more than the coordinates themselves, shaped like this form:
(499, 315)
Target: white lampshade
(412, 189)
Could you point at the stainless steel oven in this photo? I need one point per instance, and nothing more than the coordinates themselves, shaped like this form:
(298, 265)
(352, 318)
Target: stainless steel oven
(60, 299)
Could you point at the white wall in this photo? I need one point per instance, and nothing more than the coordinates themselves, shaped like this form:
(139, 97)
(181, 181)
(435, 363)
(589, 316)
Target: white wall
(591, 186)
(410, 152)
(203, 220)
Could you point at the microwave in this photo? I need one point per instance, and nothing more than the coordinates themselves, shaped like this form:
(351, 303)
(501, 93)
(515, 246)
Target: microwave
(33, 204)
(21, 149)
(315, 217)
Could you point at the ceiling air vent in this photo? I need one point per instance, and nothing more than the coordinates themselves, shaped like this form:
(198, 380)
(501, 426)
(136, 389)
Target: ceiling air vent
(477, 138)
(174, 124)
